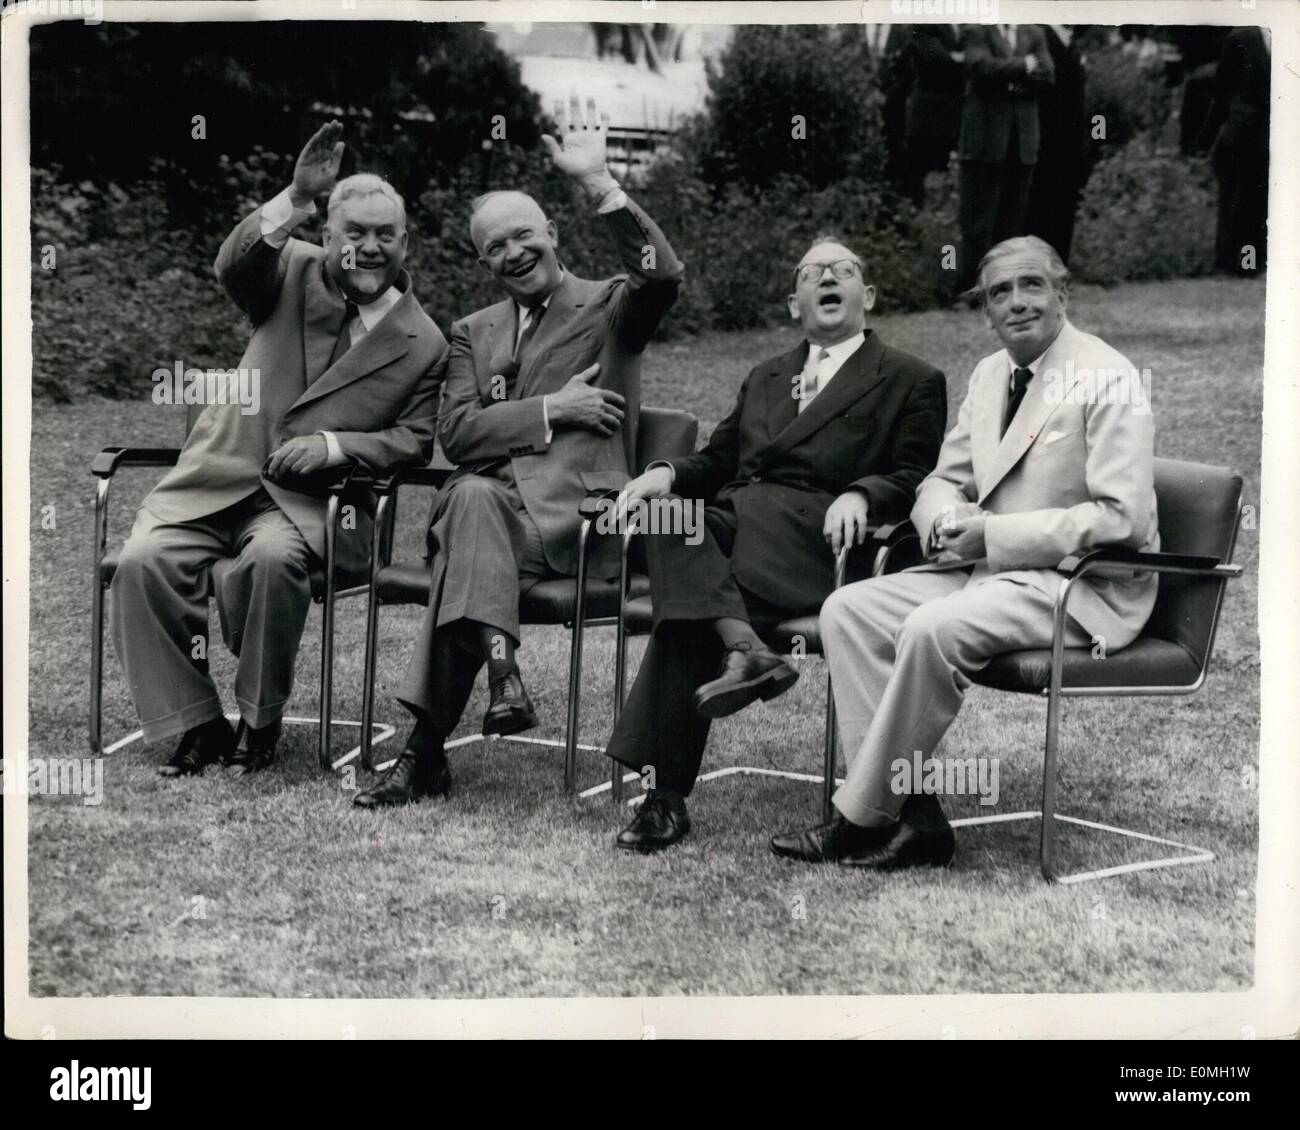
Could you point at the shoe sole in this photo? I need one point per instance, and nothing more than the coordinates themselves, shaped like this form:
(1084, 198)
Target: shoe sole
(766, 687)
(512, 723)
(649, 849)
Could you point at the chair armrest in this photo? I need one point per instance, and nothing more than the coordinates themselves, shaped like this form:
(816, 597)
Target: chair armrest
(1112, 557)
(413, 476)
(328, 480)
(592, 505)
(106, 464)
(899, 538)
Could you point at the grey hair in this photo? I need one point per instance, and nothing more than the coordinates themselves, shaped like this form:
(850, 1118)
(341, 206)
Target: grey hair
(365, 184)
(1058, 274)
(832, 237)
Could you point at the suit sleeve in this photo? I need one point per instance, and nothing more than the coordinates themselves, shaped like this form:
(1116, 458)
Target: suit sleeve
(410, 439)
(654, 276)
(1119, 474)
(470, 430)
(917, 435)
(952, 481)
(706, 472)
(988, 71)
(250, 269)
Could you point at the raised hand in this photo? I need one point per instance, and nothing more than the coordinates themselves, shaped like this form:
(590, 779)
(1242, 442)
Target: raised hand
(318, 164)
(578, 405)
(580, 150)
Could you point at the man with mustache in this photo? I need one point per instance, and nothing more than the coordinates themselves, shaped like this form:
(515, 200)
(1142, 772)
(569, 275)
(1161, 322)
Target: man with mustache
(823, 441)
(1051, 455)
(348, 366)
(540, 407)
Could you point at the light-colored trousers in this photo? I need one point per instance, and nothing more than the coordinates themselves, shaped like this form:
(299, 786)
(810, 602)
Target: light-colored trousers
(159, 613)
(902, 649)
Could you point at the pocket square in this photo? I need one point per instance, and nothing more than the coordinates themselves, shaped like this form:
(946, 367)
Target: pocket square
(1052, 437)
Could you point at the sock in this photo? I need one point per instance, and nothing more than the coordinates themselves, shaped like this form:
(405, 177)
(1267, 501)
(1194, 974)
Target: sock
(427, 743)
(498, 651)
(732, 631)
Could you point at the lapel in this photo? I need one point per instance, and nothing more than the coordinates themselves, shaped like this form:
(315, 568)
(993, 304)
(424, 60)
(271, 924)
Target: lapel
(388, 341)
(781, 407)
(1033, 414)
(565, 299)
(499, 338)
(322, 320)
(859, 374)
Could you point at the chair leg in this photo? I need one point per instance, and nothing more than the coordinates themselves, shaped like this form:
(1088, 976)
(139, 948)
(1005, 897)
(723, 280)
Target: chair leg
(377, 556)
(831, 747)
(1047, 842)
(575, 663)
(97, 667)
(620, 683)
(327, 634)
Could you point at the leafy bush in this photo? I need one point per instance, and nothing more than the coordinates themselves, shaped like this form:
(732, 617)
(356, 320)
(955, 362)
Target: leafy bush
(1129, 93)
(1145, 215)
(766, 77)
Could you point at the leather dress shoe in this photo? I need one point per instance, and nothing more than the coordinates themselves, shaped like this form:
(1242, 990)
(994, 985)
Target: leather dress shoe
(922, 838)
(747, 673)
(510, 710)
(255, 749)
(200, 747)
(414, 775)
(829, 843)
(660, 822)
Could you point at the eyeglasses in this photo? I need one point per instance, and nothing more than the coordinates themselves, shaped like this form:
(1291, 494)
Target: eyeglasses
(812, 272)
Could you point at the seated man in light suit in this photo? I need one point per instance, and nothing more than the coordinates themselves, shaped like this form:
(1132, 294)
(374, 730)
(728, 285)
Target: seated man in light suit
(823, 440)
(1051, 455)
(540, 406)
(348, 366)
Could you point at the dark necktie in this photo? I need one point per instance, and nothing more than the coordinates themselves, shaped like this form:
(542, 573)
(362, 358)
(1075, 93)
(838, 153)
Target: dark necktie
(534, 317)
(344, 340)
(1020, 379)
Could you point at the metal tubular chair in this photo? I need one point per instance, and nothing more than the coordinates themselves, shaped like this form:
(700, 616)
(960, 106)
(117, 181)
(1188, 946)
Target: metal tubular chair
(324, 583)
(802, 633)
(577, 604)
(1199, 513)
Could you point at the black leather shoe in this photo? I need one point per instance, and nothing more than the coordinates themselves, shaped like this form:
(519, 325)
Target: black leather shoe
(413, 776)
(829, 843)
(200, 747)
(254, 751)
(746, 674)
(922, 838)
(509, 710)
(660, 822)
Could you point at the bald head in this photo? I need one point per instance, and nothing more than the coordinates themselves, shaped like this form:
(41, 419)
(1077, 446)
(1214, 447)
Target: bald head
(517, 244)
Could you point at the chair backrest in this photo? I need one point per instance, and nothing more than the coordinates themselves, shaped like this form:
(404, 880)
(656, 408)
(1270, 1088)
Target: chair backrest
(664, 433)
(1198, 507)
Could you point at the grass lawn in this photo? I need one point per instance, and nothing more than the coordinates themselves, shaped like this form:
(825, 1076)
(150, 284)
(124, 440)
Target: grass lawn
(510, 888)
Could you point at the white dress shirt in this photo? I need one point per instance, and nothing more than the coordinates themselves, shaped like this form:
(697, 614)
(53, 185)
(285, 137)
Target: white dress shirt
(833, 357)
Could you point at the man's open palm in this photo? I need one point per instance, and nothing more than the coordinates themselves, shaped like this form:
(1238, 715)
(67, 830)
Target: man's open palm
(318, 163)
(580, 150)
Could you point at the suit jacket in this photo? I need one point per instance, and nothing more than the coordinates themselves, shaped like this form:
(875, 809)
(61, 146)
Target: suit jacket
(933, 109)
(1238, 122)
(1073, 471)
(876, 428)
(609, 322)
(380, 399)
(1001, 96)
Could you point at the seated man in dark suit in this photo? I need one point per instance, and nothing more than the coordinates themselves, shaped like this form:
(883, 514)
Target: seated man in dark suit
(540, 406)
(823, 440)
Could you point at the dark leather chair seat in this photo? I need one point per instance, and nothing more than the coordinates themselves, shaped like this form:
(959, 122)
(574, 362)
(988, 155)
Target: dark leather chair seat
(1147, 662)
(547, 602)
(639, 616)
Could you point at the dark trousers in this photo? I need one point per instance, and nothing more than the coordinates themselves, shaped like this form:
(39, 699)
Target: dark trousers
(691, 585)
(487, 553)
(994, 199)
(1243, 209)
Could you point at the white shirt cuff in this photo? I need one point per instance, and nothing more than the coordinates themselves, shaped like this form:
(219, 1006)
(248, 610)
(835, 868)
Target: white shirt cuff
(546, 422)
(613, 204)
(279, 217)
(663, 463)
(335, 456)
